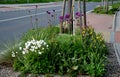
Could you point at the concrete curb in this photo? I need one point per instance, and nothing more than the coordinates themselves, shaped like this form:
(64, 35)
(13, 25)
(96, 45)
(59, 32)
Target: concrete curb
(115, 45)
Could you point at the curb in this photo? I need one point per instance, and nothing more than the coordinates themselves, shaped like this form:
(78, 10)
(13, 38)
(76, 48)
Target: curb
(112, 39)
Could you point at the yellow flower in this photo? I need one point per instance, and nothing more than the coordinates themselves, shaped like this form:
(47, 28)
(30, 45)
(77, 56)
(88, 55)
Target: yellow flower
(97, 37)
(91, 32)
(83, 32)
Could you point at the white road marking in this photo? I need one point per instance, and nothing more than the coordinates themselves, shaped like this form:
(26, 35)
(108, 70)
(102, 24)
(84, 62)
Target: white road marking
(5, 20)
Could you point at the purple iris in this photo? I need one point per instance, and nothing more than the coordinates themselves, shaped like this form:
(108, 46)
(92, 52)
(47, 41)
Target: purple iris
(48, 12)
(61, 18)
(52, 15)
(78, 14)
(67, 16)
(53, 10)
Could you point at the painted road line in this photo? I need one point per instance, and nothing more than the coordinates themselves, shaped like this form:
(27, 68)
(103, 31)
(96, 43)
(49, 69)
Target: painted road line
(5, 20)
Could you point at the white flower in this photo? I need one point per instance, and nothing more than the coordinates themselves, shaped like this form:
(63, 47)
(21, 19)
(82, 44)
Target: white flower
(13, 54)
(46, 45)
(23, 52)
(36, 47)
(31, 49)
(39, 46)
(20, 48)
(43, 48)
(26, 51)
(40, 53)
(33, 43)
(27, 47)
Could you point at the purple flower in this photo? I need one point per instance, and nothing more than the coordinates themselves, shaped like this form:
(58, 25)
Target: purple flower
(61, 18)
(36, 6)
(53, 10)
(67, 16)
(52, 15)
(48, 12)
(78, 14)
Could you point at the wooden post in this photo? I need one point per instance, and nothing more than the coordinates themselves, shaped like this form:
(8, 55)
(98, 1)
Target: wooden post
(79, 9)
(74, 24)
(63, 13)
(71, 16)
(84, 11)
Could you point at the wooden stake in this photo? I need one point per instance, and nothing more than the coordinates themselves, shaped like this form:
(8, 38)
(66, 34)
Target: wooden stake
(63, 13)
(84, 11)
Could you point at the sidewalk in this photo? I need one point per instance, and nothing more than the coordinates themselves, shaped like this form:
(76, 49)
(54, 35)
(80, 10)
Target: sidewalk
(109, 26)
(101, 23)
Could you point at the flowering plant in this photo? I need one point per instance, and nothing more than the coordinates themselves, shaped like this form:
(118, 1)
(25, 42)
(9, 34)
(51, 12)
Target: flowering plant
(33, 46)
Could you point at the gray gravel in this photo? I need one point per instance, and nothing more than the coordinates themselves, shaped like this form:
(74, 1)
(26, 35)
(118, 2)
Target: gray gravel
(113, 68)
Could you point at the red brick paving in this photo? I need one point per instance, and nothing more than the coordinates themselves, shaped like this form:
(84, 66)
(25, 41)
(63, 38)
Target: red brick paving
(117, 36)
(101, 23)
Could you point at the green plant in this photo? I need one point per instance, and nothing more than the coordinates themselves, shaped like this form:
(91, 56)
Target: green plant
(66, 54)
(111, 9)
(95, 65)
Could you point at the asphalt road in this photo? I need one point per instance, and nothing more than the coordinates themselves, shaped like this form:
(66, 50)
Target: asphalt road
(14, 23)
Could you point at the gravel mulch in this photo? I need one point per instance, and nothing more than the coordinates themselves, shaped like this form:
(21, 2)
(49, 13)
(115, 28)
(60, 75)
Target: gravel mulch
(113, 68)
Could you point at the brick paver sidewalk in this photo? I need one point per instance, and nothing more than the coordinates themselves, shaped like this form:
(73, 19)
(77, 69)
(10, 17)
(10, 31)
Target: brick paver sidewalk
(101, 23)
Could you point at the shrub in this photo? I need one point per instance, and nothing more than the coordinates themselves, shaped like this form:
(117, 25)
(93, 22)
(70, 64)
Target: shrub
(65, 54)
(111, 9)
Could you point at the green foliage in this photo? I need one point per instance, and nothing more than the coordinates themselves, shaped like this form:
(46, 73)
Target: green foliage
(111, 9)
(66, 54)
(41, 33)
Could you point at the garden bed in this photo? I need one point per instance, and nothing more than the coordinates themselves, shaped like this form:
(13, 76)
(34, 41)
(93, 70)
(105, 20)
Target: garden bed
(112, 67)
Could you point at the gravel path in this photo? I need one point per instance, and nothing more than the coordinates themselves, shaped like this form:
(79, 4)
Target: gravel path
(113, 69)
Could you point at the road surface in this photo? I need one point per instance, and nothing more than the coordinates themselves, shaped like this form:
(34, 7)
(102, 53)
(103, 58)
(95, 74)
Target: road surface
(14, 23)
